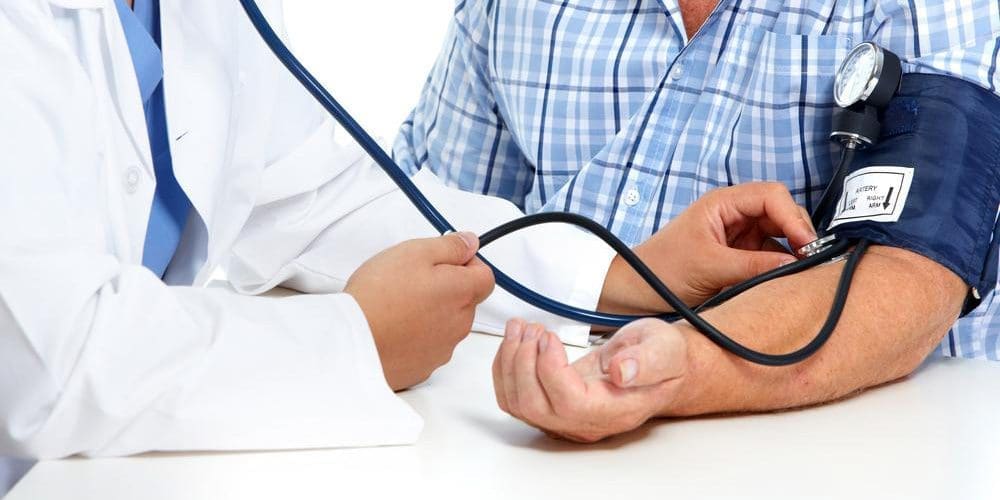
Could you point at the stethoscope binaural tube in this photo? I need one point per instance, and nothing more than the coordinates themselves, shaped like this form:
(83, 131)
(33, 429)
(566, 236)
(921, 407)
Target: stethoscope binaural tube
(422, 204)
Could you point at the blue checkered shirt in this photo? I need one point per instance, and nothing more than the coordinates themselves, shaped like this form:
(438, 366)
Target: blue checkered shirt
(605, 108)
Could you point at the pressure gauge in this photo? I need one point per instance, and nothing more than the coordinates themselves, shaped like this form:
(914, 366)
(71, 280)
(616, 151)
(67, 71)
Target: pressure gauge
(869, 75)
(866, 81)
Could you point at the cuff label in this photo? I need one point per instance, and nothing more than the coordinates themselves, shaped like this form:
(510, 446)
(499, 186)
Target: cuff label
(875, 194)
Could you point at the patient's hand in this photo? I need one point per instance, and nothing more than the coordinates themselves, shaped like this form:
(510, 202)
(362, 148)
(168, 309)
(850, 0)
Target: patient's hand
(722, 239)
(613, 389)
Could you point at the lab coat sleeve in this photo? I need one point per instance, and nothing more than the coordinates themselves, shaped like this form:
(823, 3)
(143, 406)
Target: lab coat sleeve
(130, 365)
(323, 209)
(99, 357)
(314, 241)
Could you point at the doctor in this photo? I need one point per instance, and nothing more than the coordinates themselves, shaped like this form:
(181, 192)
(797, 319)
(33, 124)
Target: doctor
(129, 178)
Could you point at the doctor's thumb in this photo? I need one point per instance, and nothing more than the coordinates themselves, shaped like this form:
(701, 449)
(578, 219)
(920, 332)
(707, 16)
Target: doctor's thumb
(455, 248)
(657, 358)
(745, 264)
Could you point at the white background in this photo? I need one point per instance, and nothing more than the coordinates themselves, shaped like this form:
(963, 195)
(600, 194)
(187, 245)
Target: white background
(372, 55)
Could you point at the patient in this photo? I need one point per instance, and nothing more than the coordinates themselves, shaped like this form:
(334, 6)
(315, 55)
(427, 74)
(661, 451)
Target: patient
(627, 113)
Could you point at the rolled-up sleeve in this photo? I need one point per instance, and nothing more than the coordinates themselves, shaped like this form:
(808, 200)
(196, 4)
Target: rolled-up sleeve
(959, 39)
(458, 102)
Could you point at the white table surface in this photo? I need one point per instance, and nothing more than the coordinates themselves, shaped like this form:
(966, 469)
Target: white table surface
(935, 435)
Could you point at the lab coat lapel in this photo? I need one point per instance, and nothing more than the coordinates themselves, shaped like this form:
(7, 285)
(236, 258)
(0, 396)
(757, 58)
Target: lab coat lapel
(80, 4)
(125, 92)
(103, 53)
(215, 160)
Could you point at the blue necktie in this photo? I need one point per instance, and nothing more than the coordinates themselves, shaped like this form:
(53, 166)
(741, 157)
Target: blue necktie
(170, 205)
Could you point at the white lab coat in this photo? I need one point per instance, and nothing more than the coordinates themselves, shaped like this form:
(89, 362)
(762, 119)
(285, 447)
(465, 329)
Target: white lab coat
(100, 357)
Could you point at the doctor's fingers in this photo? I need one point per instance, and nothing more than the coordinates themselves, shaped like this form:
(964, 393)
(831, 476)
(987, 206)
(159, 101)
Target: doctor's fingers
(471, 283)
(483, 279)
(736, 265)
(455, 248)
(774, 208)
(770, 245)
(732, 265)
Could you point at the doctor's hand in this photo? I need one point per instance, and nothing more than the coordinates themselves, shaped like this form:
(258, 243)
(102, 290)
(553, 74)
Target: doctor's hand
(420, 298)
(722, 239)
(613, 389)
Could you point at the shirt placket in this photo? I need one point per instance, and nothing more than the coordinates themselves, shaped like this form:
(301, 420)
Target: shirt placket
(653, 162)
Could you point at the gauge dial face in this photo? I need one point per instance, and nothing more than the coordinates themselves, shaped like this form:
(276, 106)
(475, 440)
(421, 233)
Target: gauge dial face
(857, 75)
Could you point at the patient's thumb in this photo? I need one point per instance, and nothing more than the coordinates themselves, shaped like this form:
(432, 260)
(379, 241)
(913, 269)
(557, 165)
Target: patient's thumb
(659, 357)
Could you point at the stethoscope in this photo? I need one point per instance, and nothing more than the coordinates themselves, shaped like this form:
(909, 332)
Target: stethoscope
(867, 79)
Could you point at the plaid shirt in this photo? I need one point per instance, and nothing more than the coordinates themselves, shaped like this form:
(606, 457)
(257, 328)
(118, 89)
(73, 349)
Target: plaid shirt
(605, 108)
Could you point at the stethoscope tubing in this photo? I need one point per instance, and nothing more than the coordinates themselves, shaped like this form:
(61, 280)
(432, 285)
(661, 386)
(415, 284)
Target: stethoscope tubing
(441, 224)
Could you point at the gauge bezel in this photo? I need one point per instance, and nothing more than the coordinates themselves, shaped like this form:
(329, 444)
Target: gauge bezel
(873, 78)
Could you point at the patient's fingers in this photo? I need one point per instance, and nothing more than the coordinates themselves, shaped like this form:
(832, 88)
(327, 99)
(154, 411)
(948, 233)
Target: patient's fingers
(533, 404)
(659, 358)
(498, 381)
(563, 385)
(508, 350)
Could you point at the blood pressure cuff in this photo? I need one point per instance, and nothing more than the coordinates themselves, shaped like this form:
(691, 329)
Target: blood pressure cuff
(931, 184)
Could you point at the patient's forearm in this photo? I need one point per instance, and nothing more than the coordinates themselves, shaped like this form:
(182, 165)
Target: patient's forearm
(900, 305)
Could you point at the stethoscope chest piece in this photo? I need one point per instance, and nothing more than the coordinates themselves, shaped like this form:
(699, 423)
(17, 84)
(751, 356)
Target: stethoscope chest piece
(817, 246)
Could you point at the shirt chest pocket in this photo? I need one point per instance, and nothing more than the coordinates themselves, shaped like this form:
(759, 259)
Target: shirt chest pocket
(775, 96)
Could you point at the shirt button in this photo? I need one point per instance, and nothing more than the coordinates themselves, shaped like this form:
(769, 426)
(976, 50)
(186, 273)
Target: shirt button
(632, 197)
(678, 71)
(131, 179)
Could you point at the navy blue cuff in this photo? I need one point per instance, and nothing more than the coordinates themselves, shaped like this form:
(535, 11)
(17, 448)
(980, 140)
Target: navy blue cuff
(948, 131)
